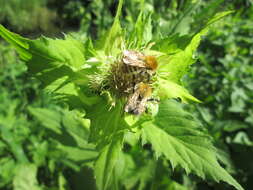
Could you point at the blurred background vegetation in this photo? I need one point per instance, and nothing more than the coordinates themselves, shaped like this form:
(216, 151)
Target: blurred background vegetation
(222, 78)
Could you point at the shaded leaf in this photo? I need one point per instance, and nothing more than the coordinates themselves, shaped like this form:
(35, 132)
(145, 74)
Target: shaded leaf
(136, 175)
(105, 121)
(48, 118)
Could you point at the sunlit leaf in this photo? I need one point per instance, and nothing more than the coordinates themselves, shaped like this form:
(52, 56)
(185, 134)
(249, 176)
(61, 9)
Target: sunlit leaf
(25, 178)
(180, 51)
(45, 53)
(177, 136)
(106, 163)
(167, 89)
(142, 33)
(113, 41)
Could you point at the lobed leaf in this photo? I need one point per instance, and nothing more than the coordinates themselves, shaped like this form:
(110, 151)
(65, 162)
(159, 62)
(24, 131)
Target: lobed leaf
(176, 135)
(53, 61)
(45, 53)
(179, 51)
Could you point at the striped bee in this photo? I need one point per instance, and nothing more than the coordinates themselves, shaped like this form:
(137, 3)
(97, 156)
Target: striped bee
(131, 77)
(138, 70)
(136, 103)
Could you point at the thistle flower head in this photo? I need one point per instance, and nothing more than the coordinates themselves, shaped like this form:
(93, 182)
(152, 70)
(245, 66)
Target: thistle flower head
(130, 77)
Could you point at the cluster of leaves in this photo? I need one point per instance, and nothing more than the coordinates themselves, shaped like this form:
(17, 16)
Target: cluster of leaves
(90, 16)
(39, 140)
(17, 15)
(64, 68)
(224, 82)
(95, 17)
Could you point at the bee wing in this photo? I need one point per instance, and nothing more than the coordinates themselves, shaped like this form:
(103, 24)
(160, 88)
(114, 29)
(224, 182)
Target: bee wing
(136, 63)
(133, 58)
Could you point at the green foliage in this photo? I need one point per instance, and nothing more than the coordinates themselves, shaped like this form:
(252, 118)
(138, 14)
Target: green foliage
(25, 177)
(39, 140)
(47, 53)
(18, 13)
(106, 163)
(224, 84)
(85, 125)
(175, 135)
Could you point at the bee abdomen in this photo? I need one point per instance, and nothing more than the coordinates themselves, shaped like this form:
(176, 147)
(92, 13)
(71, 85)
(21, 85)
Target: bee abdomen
(125, 77)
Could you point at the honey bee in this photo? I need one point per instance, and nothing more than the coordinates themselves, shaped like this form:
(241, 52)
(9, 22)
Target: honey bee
(138, 59)
(141, 68)
(136, 103)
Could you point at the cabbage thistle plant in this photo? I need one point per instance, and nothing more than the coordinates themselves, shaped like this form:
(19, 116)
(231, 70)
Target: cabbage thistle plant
(89, 77)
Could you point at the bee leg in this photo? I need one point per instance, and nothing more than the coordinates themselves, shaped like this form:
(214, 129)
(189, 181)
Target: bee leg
(153, 100)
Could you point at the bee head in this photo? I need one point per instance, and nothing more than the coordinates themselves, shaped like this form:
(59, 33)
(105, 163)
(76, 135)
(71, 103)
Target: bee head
(151, 62)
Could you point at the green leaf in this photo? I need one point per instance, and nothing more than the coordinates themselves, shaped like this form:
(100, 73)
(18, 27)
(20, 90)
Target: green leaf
(137, 173)
(105, 121)
(106, 162)
(142, 33)
(167, 89)
(78, 154)
(45, 53)
(74, 140)
(174, 66)
(48, 118)
(63, 121)
(207, 12)
(9, 129)
(71, 136)
(181, 23)
(113, 40)
(62, 182)
(176, 135)
(76, 126)
(217, 17)
(172, 44)
(179, 51)
(25, 178)
(17, 41)
(56, 63)
(52, 60)
(7, 170)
